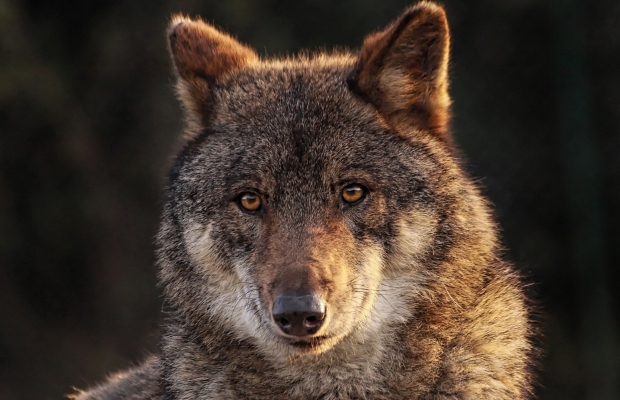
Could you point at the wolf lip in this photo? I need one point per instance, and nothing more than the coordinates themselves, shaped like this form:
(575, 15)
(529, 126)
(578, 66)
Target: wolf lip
(308, 344)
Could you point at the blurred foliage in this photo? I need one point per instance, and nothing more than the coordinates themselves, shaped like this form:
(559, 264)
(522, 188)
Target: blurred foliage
(88, 122)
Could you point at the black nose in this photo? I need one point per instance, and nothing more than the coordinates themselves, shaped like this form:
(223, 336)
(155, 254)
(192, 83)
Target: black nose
(298, 314)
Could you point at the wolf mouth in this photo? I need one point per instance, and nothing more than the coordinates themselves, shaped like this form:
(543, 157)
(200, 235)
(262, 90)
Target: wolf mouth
(310, 343)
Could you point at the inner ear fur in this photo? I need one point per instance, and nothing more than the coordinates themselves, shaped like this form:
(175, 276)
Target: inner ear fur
(403, 70)
(202, 55)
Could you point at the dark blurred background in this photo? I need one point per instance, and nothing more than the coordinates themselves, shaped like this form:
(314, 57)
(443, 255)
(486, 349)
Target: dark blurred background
(89, 121)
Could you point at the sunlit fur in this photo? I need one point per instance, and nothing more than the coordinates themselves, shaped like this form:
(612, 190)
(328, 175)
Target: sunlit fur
(419, 304)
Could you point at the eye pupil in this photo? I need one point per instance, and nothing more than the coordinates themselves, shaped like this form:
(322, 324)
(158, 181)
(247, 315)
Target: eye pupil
(250, 201)
(352, 193)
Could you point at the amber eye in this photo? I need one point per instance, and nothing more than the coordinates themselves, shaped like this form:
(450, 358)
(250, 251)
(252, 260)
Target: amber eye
(353, 193)
(250, 201)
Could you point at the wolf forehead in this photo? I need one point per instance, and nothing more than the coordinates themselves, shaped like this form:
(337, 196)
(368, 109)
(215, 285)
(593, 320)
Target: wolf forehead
(297, 133)
(296, 103)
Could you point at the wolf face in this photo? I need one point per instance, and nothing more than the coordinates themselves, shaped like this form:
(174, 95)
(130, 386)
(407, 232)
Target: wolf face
(315, 197)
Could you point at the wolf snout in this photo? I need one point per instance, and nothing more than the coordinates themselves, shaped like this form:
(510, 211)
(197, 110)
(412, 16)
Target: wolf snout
(299, 314)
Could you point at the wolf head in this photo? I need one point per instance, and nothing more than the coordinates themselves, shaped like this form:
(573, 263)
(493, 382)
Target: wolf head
(316, 197)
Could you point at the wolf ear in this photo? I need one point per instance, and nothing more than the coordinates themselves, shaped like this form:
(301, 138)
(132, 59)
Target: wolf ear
(403, 70)
(202, 54)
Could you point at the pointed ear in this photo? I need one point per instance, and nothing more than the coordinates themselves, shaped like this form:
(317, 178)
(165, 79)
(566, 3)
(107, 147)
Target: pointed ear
(201, 55)
(403, 69)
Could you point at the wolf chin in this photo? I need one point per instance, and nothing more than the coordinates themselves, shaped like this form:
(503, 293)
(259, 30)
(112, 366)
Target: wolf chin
(320, 240)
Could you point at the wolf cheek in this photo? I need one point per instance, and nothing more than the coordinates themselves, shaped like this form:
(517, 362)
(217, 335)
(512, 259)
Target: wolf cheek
(219, 283)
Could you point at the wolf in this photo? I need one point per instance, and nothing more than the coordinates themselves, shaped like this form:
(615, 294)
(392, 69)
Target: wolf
(320, 238)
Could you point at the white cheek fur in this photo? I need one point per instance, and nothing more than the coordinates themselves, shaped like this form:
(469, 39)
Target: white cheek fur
(229, 295)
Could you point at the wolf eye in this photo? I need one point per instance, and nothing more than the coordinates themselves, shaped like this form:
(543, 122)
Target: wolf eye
(250, 201)
(353, 193)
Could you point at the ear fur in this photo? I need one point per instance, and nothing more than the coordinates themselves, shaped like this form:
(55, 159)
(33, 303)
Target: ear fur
(201, 55)
(403, 70)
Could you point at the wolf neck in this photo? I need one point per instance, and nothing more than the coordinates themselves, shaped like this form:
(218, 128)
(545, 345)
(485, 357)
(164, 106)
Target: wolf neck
(214, 363)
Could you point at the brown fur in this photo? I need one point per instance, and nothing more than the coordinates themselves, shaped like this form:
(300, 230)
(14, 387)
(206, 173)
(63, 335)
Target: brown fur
(419, 303)
(201, 54)
(403, 70)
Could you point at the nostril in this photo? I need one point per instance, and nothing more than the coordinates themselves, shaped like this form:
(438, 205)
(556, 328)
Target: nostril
(284, 323)
(312, 323)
